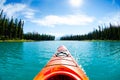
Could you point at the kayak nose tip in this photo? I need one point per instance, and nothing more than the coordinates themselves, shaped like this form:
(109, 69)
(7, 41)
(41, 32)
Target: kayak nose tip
(61, 48)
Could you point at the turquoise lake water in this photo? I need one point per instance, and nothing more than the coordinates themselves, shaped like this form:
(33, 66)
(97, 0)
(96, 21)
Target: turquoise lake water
(23, 60)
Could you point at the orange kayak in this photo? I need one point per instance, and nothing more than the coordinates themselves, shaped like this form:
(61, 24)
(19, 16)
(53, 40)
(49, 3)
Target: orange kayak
(61, 66)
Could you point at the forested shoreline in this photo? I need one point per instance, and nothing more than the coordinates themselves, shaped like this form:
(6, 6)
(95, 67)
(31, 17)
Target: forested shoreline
(111, 32)
(37, 36)
(12, 29)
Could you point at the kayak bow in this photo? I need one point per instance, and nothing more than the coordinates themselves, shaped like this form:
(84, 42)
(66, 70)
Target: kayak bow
(62, 66)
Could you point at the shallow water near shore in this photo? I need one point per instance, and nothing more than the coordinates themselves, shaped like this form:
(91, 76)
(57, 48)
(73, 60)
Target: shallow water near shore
(23, 60)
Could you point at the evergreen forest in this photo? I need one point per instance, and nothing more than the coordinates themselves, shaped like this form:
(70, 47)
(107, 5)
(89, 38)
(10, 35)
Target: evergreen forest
(12, 29)
(111, 32)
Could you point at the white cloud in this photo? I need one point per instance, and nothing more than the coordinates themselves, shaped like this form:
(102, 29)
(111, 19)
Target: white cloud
(12, 9)
(76, 3)
(17, 9)
(74, 20)
(113, 18)
(29, 14)
(2, 2)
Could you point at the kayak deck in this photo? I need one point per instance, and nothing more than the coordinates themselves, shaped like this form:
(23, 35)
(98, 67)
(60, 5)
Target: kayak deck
(61, 66)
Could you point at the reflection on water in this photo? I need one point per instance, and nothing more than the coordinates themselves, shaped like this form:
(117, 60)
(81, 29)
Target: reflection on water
(100, 59)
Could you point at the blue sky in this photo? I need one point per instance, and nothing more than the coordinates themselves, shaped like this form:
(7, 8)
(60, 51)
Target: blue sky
(63, 17)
